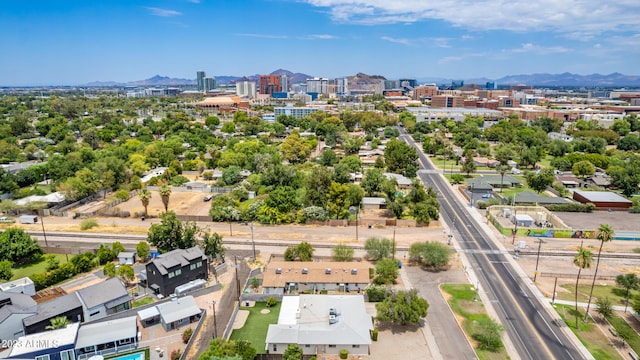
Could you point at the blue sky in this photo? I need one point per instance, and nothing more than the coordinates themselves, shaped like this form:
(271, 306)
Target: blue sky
(68, 42)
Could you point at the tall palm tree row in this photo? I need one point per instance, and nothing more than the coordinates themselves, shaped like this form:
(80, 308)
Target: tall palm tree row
(605, 234)
(582, 260)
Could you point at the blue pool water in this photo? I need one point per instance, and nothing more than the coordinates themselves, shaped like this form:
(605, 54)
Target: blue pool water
(136, 356)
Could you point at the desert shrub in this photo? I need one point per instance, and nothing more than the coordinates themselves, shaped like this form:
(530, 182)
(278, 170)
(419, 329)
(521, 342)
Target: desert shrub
(186, 335)
(271, 301)
(175, 354)
(572, 207)
(122, 194)
(87, 224)
(344, 354)
(374, 334)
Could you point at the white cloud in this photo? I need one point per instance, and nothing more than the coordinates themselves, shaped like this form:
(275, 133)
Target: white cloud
(576, 16)
(406, 42)
(319, 37)
(264, 36)
(163, 12)
(533, 48)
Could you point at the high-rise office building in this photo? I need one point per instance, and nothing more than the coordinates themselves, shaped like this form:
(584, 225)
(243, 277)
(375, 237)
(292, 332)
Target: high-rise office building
(200, 76)
(318, 85)
(209, 83)
(270, 84)
(284, 83)
(342, 86)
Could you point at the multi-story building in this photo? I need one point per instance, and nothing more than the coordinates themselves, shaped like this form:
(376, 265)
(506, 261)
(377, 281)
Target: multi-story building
(297, 112)
(200, 76)
(246, 89)
(425, 91)
(341, 86)
(284, 83)
(447, 101)
(270, 84)
(318, 85)
(175, 268)
(209, 83)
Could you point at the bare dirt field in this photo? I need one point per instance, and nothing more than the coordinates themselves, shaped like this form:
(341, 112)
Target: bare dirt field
(619, 220)
(182, 202)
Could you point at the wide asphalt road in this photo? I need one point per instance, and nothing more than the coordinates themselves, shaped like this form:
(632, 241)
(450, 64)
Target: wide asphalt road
(532, 331)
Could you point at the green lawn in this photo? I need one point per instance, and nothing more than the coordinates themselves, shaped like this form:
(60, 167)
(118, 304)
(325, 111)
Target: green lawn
(143, 301)
(35, 268)
(462, 303)
(614, 293)
(626, 332)
(589, 335)
(255, 329)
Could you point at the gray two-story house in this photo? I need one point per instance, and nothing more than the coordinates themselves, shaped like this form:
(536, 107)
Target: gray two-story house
(175, 268)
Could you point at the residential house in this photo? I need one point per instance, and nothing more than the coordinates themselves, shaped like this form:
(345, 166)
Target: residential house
(68, 306)
(103, 299)
(282, 277)
(13, 309)
(402, 181)
(177, 313)
(56, 344)
(321, 324)
(496, 181)
(373, 203)
(177, 267)
(482, 161)
(107, 337)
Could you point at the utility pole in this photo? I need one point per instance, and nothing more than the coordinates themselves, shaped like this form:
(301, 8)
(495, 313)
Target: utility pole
(253, 243)
(535, 274)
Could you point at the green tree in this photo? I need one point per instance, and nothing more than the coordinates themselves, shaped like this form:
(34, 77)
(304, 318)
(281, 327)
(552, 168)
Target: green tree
(105, 254)
(502, 169)
(126, 273)
(386, 272)
(172, 233)
(231, 175)
(83, 262)
(398, 156)
(378, 248)
(109, 269)
(605, 234)
(372, 181)
(18, 246)
(165, 193)
(488, 333)
(328, 157)
(221, 349)
(292, 352)
(59, 322)
(317, 185)
(582, 260)
(403, 307)
(300, 252)
(541, 181)
(430, 253)
(605, 308)
(338, 199)
(468, 166)
(583, 169)
(228, 127)
(143, 250)
(117, 248)
(145, 198)
(342, 252)
(294, 149)
(5, 270)
(213, 245)
(224, 214)
(628, 282)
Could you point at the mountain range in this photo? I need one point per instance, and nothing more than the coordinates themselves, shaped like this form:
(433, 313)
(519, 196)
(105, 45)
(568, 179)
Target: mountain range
(543, 79)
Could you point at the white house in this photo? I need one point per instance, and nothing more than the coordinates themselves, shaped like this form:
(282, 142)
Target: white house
(19, 286)
(13, 309)
(321, 324)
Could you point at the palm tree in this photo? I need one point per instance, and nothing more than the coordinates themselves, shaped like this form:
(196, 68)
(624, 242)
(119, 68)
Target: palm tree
(605, 234)
(165, 192)
(59, 322)
(628, 282)
(145, 197)
(582, 260)
(502, 169)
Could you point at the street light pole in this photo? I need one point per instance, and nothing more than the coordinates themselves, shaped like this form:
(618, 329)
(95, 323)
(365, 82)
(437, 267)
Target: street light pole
(393, 246)
(44, 234)
(535, 274)
(253, 243)
(214, 334)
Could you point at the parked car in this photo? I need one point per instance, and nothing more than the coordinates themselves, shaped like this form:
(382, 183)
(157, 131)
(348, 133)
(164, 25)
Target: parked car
(208, 197)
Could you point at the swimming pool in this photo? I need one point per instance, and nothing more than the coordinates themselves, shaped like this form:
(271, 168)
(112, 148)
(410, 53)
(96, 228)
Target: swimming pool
(136, 356)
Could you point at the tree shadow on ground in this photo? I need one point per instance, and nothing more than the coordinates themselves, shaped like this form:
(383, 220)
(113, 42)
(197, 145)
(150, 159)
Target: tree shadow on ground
(399, 329)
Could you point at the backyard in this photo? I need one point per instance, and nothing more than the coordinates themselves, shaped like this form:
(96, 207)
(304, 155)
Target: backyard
(256, 326)
(40, 266)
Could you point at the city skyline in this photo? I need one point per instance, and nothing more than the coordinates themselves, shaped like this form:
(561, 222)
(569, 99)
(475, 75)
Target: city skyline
(73, 42)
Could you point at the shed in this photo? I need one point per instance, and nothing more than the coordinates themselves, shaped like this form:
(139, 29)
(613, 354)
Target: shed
(149, 316)
(522, 220)
(127, 257)
(373, 203)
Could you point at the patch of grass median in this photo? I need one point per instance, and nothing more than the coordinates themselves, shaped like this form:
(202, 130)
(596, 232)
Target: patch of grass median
(589, 334)
(614, 293)
(475, 316)
(626, 332)
(257, 324)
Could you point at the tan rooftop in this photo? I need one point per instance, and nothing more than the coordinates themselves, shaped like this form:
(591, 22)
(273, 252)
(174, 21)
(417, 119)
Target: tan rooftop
(279, 273)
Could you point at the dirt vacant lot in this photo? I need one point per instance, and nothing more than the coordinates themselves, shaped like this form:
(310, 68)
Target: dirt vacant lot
(182, 202)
